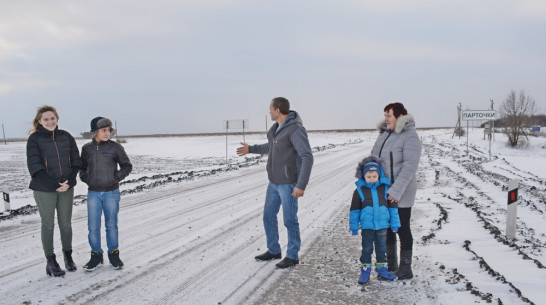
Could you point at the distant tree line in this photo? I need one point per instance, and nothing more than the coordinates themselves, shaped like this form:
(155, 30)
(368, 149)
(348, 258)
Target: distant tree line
(535, 120)
(518, 112)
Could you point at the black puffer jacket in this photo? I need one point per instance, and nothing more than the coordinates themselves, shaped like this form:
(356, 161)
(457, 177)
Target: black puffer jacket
(54, 153)
(100, 165)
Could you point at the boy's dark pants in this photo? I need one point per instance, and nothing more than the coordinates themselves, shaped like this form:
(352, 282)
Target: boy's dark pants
(369, 238)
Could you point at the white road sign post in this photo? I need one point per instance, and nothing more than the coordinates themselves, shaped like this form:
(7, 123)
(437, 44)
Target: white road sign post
(5, 194)
(234, 124)
(478, 115)
(512, 209)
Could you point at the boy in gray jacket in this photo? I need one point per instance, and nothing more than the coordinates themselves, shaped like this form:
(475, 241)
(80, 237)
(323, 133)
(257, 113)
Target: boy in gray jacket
(289, 164)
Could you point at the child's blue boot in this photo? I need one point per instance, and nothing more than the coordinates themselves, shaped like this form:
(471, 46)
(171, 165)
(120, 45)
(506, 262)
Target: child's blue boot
(383, 273)
(365, 271)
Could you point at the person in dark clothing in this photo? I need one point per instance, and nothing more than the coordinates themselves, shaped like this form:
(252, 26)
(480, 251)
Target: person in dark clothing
(289, 164)
(399, 146)
(100, 160)
(53, 161)
(371, 211)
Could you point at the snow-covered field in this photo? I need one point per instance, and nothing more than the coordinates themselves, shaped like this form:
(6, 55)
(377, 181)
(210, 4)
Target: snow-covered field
(190, 226)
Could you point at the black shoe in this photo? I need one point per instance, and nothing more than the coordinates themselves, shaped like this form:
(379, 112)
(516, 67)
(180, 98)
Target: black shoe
(114, 259)
(267, 256)
(287, 262)
(68, 262)
(52, 267)
(96, 260)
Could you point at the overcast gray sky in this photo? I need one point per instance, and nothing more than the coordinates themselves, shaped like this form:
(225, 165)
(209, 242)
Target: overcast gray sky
(185, 66)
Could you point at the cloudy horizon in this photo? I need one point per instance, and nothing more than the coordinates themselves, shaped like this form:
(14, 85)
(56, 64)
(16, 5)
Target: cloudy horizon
(186, 66)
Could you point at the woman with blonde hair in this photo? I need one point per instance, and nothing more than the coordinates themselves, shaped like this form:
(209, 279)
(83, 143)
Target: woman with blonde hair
(53, 163)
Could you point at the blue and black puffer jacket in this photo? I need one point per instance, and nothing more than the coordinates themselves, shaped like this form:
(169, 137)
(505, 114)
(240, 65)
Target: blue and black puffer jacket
(370, 208)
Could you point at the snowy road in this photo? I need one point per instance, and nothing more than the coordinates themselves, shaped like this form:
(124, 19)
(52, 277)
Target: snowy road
(190, 238)
(193, 244)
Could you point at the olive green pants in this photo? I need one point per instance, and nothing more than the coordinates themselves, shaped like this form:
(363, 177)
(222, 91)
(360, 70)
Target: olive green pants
(47, 203)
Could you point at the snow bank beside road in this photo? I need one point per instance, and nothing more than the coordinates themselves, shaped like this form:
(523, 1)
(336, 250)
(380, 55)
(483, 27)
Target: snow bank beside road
(193, 241)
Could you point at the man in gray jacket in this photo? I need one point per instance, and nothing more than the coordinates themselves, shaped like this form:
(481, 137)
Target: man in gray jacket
(289, 166)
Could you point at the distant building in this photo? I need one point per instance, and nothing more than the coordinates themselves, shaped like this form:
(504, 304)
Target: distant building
(90, 135)
(87, 134)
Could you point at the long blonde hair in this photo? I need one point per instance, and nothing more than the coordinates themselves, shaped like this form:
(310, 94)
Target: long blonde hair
(38, 117)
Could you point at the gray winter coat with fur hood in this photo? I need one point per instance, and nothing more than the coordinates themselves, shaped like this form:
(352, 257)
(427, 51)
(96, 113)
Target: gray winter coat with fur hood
(400, 150)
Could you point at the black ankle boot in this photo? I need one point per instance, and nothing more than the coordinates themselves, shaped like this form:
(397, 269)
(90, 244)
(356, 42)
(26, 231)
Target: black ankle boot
(114, 259)
(95, 261)
(404, 272)
(52, 267)
(68, 262)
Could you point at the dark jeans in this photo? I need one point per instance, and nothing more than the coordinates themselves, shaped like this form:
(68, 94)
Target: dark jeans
(369, 238)
(404, 232)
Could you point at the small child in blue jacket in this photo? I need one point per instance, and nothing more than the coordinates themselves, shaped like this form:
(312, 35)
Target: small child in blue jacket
(371, 210)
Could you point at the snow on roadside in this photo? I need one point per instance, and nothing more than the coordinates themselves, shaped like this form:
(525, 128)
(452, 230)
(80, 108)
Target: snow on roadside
(199, 248)
(460, 256)
(158, 161)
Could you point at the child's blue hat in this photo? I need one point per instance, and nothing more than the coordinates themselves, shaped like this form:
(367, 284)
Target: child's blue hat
(370, 163)
(371, 166)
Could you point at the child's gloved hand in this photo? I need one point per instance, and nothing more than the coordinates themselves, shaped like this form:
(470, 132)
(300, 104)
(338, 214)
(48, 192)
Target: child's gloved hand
(355, 232)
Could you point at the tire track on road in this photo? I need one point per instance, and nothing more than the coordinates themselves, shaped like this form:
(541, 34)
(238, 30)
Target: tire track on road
(223, 263)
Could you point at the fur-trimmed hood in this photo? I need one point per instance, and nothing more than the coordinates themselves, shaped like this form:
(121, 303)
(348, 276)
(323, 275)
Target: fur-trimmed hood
(360, 168)
(403, 122)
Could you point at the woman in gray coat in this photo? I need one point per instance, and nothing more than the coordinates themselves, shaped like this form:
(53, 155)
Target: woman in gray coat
(398, 145)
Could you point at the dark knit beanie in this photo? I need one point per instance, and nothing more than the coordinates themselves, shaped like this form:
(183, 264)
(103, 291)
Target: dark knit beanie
(370, 167)
(100, 122)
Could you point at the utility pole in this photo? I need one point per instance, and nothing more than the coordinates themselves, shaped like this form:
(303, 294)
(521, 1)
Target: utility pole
(458, 125)
(5, 143)
(116, 126)
(492, 122)
(244, 141)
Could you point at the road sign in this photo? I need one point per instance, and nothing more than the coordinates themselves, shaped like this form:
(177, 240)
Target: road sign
(5, 195)
(236, 124)
(512, 196)
(512, 209)
(479, 115)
